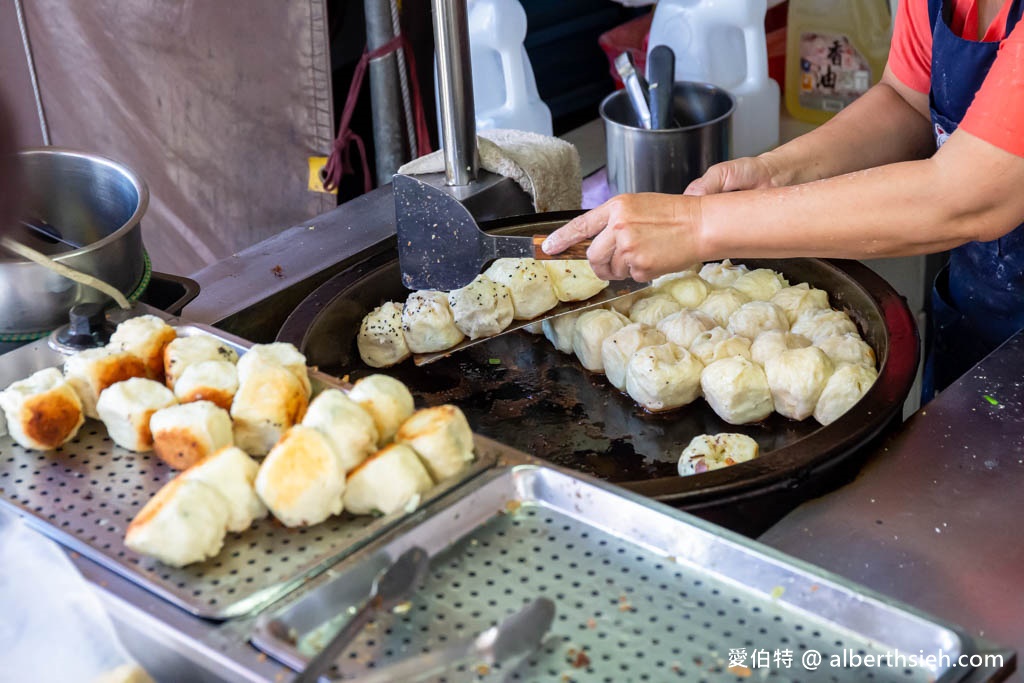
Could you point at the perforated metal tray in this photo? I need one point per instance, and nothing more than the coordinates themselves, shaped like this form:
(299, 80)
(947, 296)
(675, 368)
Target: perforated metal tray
(644, 592)
(85, 493)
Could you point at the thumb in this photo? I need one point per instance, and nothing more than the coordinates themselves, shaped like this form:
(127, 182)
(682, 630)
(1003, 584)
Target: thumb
(712, 182)
(578, 229)
(697, 188)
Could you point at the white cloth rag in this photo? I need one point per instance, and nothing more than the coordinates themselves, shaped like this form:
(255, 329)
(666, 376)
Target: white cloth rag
(547, 168)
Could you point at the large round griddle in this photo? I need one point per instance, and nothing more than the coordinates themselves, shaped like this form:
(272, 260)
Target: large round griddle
(517, 389)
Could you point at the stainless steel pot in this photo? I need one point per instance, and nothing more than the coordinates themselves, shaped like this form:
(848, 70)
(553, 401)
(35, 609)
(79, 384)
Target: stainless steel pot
(91, 201)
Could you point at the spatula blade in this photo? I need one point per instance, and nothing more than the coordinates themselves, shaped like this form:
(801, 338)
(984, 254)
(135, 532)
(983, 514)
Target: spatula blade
(440, 245)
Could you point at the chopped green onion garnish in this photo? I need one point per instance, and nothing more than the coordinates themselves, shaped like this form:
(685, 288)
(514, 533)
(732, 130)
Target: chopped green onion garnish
(494, 361)
(990, 400)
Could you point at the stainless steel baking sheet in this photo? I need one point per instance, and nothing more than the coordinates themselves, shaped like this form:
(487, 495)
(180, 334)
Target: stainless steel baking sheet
(85, 493)
(643, 591)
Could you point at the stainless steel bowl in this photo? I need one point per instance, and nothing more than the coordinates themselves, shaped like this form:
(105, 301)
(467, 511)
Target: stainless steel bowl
(93, 202)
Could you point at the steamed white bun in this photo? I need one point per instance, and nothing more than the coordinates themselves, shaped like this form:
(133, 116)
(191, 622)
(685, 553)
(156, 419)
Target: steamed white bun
(684, 327)
(689, 290)
(722, 274)
(559, 330)
(483, 308)
(737, 390)
(651, 310)
(751, 319)
(428, 323)
(773, 342)
(618, 348)
(796, 379)
(722, 303)
(798, 299)
(381, 341)
(761, 284)
(574, 280)
(528, 284)
(844, 389)
(591, 329)
(663, 377)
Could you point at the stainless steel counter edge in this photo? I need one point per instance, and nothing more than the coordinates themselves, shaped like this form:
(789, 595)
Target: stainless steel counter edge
(935, 517)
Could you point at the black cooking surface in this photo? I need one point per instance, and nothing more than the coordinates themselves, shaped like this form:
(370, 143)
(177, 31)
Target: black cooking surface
(519, 390)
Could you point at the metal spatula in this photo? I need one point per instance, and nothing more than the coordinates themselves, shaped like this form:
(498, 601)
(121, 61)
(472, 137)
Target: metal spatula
(441, 247)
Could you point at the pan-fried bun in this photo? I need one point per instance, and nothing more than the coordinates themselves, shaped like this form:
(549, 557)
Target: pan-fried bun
(301, 480)
(185, 351)
(185, 522)
(145, 337)
(737, 390)
(592, 327)
(233, 474)
(796, 379)
(441, 437)
(91, 371)
(346, 424)
(387, 400)
(618, 348)
(663, 377)
(126, 408)
(185, 434)
(43, 411)
(215, 381)
(386, 481)
(268, 402)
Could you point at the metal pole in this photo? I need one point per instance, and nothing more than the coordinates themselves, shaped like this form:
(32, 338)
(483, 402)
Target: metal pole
(385, 97)
(455, 91)
(23, 27)
(403, 80)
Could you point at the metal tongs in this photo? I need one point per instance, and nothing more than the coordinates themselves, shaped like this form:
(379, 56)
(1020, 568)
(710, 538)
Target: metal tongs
(390, 589)
(518, 634)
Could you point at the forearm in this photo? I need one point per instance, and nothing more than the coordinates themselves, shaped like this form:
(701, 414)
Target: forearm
(881, 127)
(913, 207)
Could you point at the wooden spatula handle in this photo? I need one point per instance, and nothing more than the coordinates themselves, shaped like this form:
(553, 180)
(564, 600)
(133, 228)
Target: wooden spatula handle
(575, 252)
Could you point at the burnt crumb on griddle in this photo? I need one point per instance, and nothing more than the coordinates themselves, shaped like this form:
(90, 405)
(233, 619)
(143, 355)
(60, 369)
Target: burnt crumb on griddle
(278, 271)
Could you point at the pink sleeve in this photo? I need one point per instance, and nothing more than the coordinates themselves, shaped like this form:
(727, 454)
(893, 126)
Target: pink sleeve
(910, 56)
(997, 113)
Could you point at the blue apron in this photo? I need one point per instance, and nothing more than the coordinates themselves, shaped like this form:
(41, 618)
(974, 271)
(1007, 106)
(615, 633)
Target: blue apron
(978, 299)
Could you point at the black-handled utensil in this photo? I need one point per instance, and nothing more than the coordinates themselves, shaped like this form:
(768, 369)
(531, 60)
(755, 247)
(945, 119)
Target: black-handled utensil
(391, 587)
(661, 69)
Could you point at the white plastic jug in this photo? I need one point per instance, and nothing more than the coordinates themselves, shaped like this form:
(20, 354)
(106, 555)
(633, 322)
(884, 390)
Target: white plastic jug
(723, 42)
(504, 89)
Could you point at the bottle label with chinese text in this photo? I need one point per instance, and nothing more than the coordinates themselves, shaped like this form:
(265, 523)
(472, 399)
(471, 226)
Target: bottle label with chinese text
(833, 73)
